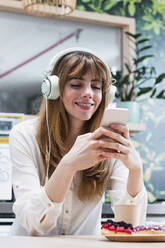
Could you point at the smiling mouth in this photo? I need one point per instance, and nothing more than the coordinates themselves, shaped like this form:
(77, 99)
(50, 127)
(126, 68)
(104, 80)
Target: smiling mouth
(84, 104)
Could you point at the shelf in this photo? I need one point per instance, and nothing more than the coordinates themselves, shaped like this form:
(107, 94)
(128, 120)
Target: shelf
(136, 127)
(133, 127)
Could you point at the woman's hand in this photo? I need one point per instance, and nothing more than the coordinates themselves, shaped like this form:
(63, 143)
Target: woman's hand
(124, 148)
(103, 143)
(89, 149)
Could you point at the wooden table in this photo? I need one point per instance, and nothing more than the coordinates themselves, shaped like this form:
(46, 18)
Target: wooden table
(71, 242)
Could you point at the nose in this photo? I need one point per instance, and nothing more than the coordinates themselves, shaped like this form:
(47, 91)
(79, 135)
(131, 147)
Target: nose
(87, 92)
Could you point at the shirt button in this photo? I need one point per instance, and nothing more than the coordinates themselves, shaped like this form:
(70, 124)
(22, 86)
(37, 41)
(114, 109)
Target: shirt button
(66, 211)
(49, 204)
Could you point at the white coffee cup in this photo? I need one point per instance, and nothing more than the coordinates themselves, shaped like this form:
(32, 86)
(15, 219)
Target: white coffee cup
(129, 213)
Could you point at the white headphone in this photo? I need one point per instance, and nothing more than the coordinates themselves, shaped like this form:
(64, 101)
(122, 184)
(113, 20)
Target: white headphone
(50, 84)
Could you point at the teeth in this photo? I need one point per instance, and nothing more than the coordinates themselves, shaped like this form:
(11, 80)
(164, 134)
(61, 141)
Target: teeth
(85, 105)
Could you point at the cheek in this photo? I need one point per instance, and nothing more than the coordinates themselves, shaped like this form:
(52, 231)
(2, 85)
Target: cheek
(68, 97)
(66, 94)
(99, 98)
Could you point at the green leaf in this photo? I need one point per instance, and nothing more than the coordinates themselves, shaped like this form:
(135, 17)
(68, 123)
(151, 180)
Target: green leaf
(161, 94)
(92, 6)
(107, 196)
(128, 68)
(97, 4)
(152, 70)
(145, 48)
(109, 4)
(142, 41)
(136, 61)
(151, 197)
(144, 90)
(153, 93)
(81, 7)
(125, 80)
(148, 173)
(150, 186)
(135, 36)
(131, 9)
(85, 1)
(160, 78)
(117, 76)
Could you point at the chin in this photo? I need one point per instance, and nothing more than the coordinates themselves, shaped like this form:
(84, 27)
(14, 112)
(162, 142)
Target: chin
(87, 118)
(83, 117)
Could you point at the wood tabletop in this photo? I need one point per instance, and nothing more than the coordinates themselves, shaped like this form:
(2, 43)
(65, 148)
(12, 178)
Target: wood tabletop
(71, 242)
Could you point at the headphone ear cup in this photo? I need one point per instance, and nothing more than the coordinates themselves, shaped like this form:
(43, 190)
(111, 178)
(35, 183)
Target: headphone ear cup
(50, 87)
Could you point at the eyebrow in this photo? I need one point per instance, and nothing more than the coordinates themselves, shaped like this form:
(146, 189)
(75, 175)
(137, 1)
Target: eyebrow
(82, 79)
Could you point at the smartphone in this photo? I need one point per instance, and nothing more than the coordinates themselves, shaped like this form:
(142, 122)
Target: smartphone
(114, 116)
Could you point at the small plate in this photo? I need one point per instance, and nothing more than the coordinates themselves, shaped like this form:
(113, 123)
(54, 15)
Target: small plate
(137, 238)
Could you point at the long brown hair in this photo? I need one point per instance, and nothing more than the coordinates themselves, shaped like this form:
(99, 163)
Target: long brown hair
(74, 65)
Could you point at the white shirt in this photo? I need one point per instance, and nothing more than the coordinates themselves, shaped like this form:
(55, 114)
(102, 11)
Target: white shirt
(36, 214)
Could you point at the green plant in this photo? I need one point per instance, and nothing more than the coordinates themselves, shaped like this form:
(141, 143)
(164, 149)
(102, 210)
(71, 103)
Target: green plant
(150, 145)
(139, 80)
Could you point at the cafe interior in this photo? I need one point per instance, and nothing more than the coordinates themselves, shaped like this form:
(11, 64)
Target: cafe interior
(129, 36)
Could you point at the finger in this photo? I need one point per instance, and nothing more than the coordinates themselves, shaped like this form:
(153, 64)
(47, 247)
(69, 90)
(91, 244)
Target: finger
(116, 155)
(121, 128)
(100, 132)
(116, 137)
(95, 144)
(119, 139)
(115, 147)
(109, 145)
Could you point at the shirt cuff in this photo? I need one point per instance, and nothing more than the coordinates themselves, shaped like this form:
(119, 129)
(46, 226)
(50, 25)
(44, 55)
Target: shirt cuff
(47, 202)
(138, 199)
(49, 216)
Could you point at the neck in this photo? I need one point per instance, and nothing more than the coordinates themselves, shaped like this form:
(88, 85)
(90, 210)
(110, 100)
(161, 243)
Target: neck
(74, 131)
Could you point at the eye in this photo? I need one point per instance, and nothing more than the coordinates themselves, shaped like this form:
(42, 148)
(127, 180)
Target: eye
(96, 87)
(75, 85)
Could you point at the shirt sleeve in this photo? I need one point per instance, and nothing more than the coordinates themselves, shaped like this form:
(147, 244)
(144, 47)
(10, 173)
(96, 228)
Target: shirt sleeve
(33, 209)
(118, 190)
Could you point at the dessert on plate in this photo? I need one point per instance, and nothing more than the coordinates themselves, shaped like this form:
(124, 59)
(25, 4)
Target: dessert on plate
(111, 227)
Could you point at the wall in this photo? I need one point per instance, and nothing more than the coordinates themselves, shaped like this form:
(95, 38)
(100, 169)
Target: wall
(35, 41)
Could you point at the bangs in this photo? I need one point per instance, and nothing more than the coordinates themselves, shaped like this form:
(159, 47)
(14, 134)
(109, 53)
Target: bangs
(85, 65)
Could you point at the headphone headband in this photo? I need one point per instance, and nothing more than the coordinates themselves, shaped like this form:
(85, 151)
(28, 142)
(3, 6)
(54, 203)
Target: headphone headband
(60, 54)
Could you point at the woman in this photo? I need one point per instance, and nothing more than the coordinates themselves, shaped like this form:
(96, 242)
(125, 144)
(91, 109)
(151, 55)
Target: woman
(80, 158)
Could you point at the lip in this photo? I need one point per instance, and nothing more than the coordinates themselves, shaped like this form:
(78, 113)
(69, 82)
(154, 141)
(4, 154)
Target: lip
(84, 105)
